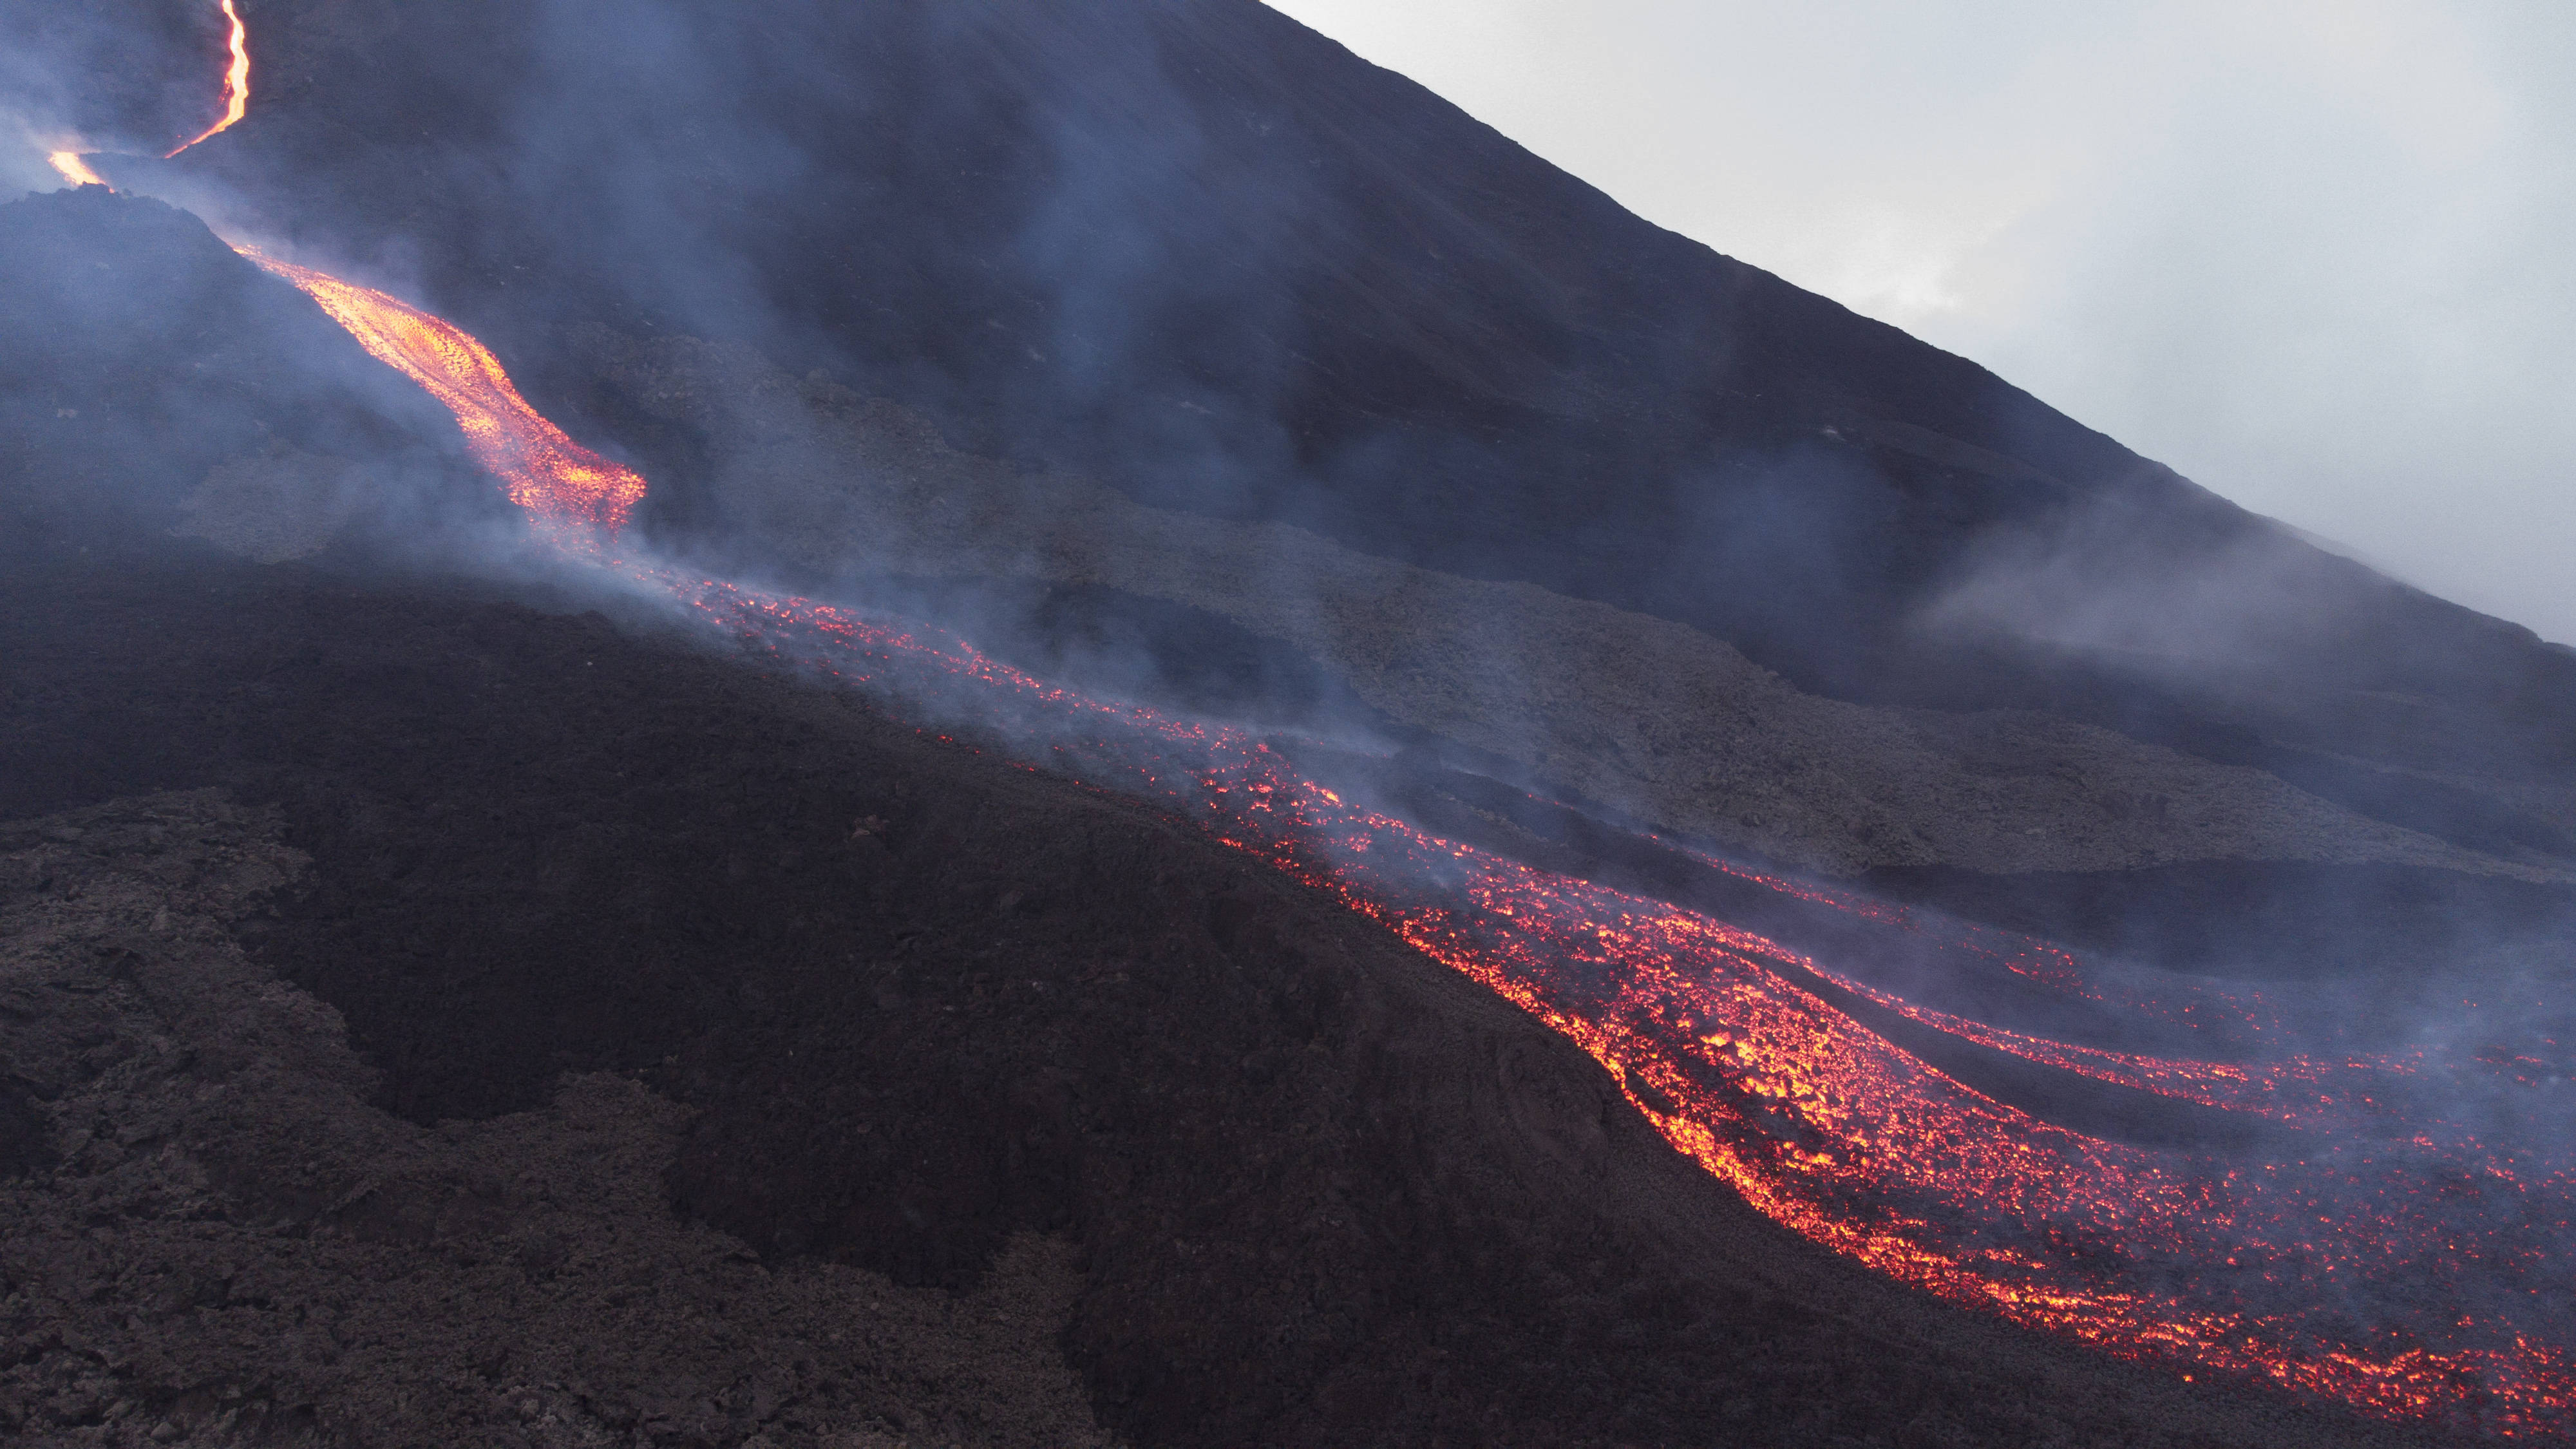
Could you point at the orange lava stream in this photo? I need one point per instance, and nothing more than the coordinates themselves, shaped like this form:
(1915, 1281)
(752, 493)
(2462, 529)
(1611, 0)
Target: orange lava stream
(558, 481)
(73, 170)
(236, 83)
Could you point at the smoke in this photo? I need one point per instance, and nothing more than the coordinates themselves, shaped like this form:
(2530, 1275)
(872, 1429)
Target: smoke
(2216, 601)
(33, 120)
(1158, 253)
(1130, 248)
(1117, 250)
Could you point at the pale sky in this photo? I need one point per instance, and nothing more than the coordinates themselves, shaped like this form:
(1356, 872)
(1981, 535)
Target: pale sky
(2319, 255)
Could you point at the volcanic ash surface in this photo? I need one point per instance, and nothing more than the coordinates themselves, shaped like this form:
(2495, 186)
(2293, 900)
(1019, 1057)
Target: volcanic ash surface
(208, 1234)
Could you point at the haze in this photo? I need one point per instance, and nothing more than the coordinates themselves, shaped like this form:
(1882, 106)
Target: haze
(2313, 255)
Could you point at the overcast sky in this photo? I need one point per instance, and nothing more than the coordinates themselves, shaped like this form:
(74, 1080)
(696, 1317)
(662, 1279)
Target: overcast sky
(2320, 257)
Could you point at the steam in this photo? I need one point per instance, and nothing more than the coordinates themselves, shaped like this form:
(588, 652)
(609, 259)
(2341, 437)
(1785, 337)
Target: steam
(2317, 266)
(135, 79)
(38, 147)
(2217, 594)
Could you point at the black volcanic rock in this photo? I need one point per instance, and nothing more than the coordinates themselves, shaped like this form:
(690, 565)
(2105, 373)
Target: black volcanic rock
(236, 1248)
(921, 1005)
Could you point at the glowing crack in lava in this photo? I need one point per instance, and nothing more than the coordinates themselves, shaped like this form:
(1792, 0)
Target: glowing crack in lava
(2374, 1249)
(236, 83)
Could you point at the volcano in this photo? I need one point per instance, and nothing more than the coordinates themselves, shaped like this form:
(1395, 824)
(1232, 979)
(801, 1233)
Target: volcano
(1024, 723)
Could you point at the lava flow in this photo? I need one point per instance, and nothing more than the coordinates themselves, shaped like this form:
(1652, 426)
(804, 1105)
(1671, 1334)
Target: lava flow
(2375, 1250)
(2381, 1254)
(558, 481)
(236, 82)
(74, 171)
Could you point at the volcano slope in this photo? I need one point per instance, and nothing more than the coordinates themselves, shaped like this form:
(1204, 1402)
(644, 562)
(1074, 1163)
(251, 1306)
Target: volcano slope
(861, 996)
(431, 1018)
(816, 357)
(1550, 486)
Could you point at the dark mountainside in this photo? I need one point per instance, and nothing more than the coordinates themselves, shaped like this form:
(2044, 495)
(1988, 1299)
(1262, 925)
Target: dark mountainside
(141, 354)
(525, 1028)
(872, 1004)
(1214, 261)
(631, 942)
(1213, 258)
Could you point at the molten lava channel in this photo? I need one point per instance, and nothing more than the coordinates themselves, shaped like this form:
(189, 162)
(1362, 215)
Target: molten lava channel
(558, 481)
(2247, 1265)
(236, 82)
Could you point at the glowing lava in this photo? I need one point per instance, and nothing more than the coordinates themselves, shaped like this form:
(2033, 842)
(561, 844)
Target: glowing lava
(236, 82)
(2380, 1253)
(558, 481)
(73, 170)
